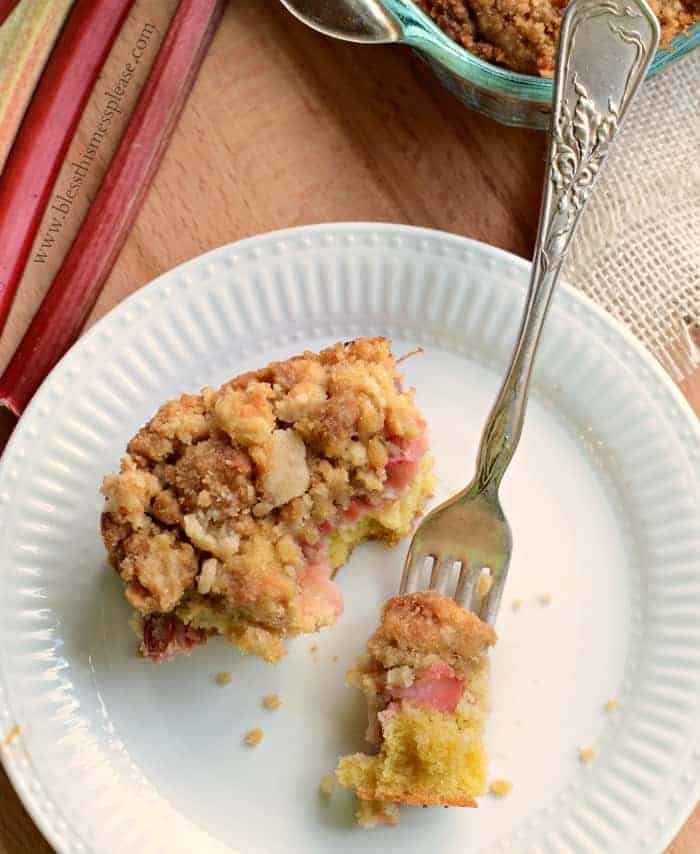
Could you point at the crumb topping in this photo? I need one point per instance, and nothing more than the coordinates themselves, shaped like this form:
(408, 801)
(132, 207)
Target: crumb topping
(400, 677)
(523, 34)
(419, 628)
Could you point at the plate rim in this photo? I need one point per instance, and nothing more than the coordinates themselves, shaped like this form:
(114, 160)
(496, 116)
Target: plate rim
(21, 778)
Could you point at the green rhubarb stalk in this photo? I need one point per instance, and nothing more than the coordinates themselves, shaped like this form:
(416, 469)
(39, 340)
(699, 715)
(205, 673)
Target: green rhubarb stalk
(26, 40)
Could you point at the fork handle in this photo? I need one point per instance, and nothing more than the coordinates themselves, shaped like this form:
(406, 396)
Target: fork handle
(605, 48)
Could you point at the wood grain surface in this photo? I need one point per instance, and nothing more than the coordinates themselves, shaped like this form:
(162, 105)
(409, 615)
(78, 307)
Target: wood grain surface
(286, 128)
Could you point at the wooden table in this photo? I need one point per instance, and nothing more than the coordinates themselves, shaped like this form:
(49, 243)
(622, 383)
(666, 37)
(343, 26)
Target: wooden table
(287, 128)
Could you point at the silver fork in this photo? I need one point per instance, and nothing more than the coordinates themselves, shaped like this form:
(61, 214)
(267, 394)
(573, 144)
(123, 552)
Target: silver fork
(605, 48)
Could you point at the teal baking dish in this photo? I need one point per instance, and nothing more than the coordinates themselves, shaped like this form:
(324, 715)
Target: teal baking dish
(506, 96)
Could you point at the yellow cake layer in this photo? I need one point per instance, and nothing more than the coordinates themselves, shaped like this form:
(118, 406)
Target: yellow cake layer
(427, 756)
(390, 524)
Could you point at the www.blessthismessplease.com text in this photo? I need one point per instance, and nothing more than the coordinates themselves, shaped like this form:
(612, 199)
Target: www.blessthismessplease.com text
(63, 200)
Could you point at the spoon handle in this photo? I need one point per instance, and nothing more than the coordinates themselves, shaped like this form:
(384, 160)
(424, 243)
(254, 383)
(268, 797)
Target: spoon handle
(605, 48)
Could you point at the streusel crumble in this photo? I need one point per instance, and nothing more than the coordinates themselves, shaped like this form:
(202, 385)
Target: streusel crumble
(425, 677)
(233, 507)
(522, 34)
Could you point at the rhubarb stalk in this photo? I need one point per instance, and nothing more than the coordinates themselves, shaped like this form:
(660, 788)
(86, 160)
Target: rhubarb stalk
(25, 44)
(6, 6)
(46, 131)
(92, 254)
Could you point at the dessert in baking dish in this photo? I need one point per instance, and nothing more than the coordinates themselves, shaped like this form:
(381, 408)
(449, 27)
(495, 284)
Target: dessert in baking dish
(425, 677)
(522, 34)
(233, 508)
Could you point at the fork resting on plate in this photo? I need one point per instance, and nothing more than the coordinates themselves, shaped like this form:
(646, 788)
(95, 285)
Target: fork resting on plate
(605, 49)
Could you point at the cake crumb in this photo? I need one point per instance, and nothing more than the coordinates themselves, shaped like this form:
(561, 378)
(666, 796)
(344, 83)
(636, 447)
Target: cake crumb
(585, 754)
(484, 584)
(253, 737)
(400, 677)
(516, 604)
(313, 648)
(271, 701)
(546, 599)
(611, 705)
(223, 677)
(327, 785)
(373, 813)
(500, 788)
(11, 735)
(335, 658)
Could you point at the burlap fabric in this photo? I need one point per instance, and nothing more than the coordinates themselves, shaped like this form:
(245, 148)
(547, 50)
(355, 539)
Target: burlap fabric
(637, 251)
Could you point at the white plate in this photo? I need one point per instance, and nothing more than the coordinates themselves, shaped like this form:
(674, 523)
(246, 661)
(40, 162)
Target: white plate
(604, 498)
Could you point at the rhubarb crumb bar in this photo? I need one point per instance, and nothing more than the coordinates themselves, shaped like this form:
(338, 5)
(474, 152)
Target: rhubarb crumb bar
(425, 677)
(233, 508)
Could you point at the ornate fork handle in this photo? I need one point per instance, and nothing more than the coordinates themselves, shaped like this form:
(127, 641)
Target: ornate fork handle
(605, 48)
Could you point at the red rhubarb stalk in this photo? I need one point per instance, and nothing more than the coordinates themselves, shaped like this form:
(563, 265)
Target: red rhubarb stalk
(25, 46)
(6, 6)
(46, 131)
(89, 260)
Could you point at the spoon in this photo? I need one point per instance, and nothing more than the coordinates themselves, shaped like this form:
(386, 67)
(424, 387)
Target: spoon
(362, 21)
(372, 22)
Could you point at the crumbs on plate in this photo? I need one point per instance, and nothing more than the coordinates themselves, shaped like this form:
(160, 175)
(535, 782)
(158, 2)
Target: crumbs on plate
(500, 788)
(253, 737)
(271, 701)
(327, 785)
(222, 678)
(585, 754)
(12, 734)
